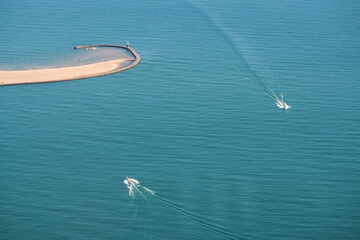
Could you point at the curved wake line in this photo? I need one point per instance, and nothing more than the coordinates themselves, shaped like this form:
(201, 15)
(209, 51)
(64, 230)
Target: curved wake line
(234, 63)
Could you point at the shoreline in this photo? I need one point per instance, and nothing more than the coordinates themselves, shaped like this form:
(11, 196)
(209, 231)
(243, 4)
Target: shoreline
(47, 75)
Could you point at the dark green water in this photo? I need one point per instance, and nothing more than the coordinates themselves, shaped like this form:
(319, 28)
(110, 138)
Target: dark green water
(188, 122)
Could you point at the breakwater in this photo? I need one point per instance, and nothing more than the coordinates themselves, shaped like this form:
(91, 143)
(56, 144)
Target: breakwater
(131, 50)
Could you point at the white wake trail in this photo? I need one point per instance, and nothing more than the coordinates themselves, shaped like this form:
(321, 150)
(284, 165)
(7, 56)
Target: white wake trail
(135, 184)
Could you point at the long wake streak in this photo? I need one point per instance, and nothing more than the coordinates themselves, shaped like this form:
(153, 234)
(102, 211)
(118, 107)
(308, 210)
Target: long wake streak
(238, 63)
(197, 219)
(133, 184)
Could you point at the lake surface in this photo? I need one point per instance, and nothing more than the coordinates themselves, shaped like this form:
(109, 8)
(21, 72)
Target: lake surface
(189, 122)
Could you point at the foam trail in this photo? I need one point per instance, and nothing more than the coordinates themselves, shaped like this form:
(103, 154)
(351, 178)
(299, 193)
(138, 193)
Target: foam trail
(141, 214)
(198, 220)
(148, 190)
(139, 191)
(235, 62)
(133, 183)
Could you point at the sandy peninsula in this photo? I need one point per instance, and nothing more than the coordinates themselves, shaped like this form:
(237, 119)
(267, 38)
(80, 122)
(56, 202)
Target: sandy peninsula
(60, 74)
(73, 72)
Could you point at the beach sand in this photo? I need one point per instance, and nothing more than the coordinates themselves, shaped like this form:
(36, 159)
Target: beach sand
(60, 74)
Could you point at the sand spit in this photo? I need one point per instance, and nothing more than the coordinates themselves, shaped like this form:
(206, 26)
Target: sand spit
(67, 73)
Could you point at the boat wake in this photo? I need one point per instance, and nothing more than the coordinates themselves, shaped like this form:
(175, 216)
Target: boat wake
(135, 191)
(229, 53)
(279, 100)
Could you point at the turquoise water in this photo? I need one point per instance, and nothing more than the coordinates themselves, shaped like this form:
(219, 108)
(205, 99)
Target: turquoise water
(74, 57)
(188, 122)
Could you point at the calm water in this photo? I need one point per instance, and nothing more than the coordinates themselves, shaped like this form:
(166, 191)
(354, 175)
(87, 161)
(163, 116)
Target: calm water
(188, 122)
